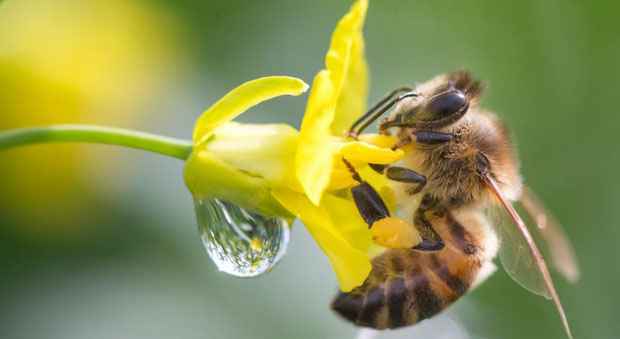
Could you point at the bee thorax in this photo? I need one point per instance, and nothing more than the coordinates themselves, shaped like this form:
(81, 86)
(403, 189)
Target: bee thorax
(453, 169)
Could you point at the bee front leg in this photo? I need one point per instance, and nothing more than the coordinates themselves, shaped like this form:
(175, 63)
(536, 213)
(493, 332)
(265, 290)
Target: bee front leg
(432, 137)
(431, 241)
(406, 175)
(402, 174)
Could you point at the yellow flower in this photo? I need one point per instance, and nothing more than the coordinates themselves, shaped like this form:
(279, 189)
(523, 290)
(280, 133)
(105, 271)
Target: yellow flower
(277, 170)
(337, 98)
(241, 163)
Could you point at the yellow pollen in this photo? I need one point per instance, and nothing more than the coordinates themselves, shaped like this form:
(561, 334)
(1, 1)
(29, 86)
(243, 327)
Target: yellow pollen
(395, 233)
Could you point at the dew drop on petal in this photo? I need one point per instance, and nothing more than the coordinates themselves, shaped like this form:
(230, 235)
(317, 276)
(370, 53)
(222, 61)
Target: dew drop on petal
(241, 243)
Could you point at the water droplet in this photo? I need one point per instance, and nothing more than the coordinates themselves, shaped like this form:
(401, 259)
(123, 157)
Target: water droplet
(239, 242)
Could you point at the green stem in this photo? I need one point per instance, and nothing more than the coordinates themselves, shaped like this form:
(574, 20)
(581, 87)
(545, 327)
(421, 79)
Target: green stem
(172, 147)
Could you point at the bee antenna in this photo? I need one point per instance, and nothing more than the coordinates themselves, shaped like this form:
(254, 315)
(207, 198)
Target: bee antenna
(380, 108)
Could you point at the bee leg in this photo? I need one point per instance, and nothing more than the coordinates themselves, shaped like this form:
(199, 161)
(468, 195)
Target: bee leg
(401, 174)
(368, 202)
(397, 121)
(432, 137)
(431, 241)
(379, 168)
(406, 175)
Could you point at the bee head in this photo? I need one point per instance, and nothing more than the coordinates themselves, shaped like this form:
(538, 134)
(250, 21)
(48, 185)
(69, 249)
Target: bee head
(445, 100)
(442, 109)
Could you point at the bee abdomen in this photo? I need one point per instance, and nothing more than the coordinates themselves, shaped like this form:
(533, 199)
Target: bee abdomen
(397, 294)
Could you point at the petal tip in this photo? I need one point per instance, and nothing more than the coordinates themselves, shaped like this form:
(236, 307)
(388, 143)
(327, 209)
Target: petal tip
(305, 87)
(241, 99)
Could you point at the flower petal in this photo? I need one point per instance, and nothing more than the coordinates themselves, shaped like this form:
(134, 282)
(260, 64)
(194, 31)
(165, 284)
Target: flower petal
(340, 177)
(354, 91)
(206, 176)
(382, 184)
(381, 140)
(243, 98)
(315, 156)
(349, 222)
(359, 154)
(351, 264)
(261, 150)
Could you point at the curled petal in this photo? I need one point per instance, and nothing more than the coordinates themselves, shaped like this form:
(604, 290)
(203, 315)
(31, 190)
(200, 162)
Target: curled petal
(243, 98)
(335, 237)
(361, 151)
(381, 140)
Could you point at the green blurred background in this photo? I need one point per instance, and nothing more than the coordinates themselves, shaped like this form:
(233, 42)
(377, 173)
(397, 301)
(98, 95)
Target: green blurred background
(101, 242)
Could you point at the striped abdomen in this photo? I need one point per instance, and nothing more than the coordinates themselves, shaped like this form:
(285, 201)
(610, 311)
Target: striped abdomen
(407, 286)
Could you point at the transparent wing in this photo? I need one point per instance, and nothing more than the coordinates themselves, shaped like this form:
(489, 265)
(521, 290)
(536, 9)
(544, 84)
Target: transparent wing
(521, 257)
(556, 241)
(517, 259)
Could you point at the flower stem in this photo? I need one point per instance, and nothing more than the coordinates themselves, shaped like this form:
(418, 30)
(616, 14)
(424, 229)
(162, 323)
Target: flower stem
(172, 147)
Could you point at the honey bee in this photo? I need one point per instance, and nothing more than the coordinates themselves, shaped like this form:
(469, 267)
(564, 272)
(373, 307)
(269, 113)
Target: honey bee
(459, 163)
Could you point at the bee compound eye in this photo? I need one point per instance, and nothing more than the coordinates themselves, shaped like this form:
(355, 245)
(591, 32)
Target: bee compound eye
(446, 104)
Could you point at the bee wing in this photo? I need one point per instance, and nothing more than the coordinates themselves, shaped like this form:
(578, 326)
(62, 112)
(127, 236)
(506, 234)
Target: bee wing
(522, 259)
(516, 256)
(560, 248)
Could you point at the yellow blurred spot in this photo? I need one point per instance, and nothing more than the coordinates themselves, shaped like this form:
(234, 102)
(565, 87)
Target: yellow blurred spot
(67, 61)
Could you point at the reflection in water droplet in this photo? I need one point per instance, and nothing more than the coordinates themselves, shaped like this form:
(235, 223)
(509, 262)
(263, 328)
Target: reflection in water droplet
(241, 243)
